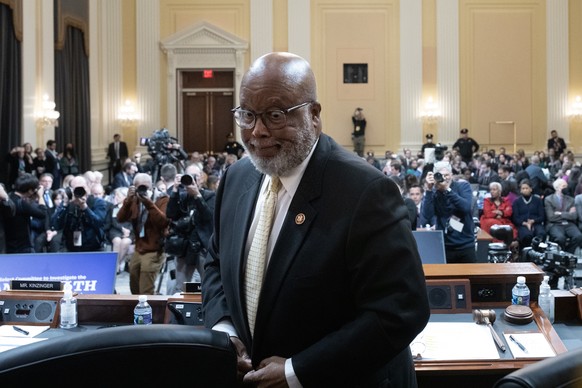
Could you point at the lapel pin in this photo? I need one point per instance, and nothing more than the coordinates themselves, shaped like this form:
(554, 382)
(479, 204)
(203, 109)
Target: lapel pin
(300, 218)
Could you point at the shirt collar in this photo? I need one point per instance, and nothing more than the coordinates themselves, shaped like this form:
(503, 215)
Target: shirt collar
(291, 180)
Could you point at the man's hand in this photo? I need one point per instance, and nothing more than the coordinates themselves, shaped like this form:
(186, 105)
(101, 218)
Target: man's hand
(80, 202)
(3, 194)
(429, 180)
(193, 190)
(145, 200)
(271, 373)
(243, 361)
(177, 179)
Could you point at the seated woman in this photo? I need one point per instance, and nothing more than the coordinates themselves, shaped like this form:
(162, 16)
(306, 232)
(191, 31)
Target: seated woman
(119, 233)
(496, 210)
(528, 215)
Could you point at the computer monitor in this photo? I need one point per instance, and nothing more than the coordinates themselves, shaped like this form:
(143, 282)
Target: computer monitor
(88, 272)
(431, 246)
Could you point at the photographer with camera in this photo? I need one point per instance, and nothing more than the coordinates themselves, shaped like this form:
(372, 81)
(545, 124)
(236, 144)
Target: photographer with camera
(449, 203)
(145, 208)
(82, 219)
(190, 210)
(359, 132)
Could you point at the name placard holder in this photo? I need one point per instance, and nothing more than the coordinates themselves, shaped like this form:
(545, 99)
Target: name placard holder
(35, 285)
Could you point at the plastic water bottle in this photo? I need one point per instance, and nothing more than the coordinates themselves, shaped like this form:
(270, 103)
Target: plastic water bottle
(68, 308)
(142, 313)
(520, 292)
(546, 299)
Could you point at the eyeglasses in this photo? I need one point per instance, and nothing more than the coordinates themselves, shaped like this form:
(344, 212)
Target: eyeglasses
(272, 119)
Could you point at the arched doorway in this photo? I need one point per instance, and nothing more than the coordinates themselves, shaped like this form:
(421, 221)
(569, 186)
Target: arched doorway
(198, 107)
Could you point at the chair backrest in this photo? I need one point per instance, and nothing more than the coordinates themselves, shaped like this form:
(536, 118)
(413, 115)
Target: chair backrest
(126, 356)
(431, 246)
(564, 371)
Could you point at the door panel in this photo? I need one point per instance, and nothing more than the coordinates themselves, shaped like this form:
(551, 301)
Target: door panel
(195, 122)
(222, 119)
(206, 117)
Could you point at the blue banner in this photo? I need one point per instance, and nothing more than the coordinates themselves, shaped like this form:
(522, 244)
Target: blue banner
(88, 272)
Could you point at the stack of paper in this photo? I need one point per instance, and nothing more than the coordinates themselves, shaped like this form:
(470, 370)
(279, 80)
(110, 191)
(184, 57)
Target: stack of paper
(13, 336)
(454, 341)
(535, 345)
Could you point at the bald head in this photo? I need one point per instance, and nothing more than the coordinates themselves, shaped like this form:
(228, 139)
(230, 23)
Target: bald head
(286, 70)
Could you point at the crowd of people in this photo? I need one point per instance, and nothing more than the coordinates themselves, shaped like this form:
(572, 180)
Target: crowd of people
(54, 207)
(537, 196)
(464, 187)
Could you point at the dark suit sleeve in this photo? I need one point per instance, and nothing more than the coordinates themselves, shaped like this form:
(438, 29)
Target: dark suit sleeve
(411, 207)
(215, 304)
(475, 146)
(123, 152)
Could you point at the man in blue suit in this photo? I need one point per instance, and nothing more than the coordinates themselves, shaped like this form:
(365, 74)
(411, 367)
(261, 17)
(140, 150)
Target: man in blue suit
(343, 292)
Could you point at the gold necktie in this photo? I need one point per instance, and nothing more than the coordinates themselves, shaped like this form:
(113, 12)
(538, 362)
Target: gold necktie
(256, 262)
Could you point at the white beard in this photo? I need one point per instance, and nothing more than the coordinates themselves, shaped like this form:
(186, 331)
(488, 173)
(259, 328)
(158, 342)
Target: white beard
(292, 154)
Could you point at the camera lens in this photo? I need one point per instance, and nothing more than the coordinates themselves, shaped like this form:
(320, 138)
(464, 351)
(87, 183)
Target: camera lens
(438, 177)
(79, 192)
(142, 190)
(186, 180)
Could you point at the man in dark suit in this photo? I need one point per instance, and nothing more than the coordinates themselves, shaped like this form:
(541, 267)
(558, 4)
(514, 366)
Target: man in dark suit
(52, 164)
(562, 218)
(125, 178)
(117, 153)
(343, 293)
(556, 143)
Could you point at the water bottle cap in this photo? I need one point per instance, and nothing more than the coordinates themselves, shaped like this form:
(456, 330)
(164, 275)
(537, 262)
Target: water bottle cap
(546, 278)
(143, 298)
(521, 279)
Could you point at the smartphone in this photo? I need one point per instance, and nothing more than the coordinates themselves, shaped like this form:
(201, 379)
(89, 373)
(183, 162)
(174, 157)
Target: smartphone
(144, 141)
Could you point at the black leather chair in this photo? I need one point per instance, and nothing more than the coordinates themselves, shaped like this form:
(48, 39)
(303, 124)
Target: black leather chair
(125, 356)
(564, 371)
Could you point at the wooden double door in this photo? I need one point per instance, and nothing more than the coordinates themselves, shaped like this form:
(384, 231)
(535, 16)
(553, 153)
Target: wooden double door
(205, 117)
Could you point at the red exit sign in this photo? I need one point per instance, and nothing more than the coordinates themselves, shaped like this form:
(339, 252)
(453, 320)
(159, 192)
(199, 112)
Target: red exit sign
(207, 73)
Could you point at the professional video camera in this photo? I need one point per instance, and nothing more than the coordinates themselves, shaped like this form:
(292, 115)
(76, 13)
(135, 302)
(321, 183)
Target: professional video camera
(431, 156)
(439, 152)
(550, 258)
(161, 147)
(164, 149)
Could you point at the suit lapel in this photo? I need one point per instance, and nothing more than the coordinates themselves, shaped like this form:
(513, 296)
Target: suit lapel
(296, 226)
(242, 218)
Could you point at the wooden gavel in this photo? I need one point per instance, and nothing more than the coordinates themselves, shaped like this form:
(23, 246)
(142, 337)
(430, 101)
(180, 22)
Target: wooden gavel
(488, 317)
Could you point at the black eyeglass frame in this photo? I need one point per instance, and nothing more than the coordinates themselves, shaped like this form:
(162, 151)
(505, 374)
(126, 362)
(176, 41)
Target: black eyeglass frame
(237, 112)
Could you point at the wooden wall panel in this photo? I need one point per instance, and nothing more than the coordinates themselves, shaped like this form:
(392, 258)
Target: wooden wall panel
(362, 33)
(502, 51)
